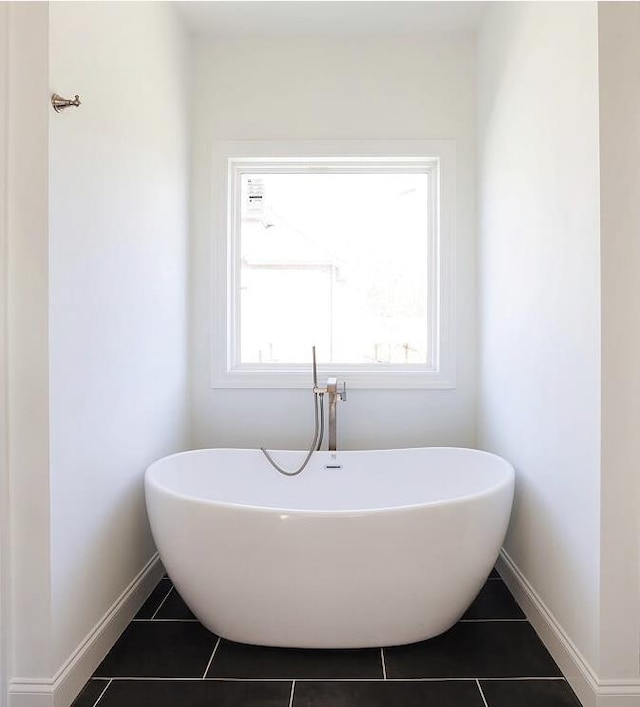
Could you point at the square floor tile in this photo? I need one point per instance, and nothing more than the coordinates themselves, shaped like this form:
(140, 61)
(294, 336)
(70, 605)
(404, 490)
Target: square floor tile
(90, 693)
(239, 660)
(174, 607)
(196, 693)
(529, 693)
(500, 649)
(495, 601)
(453, 693)
(160, 649)
(155, 599)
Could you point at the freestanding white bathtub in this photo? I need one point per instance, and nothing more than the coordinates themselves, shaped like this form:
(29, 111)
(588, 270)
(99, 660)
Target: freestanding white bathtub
(389, 548)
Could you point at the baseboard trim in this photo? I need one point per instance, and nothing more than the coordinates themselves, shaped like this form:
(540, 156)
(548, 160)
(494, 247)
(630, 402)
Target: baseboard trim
(591, 691)
(619, 693)
(62, 689)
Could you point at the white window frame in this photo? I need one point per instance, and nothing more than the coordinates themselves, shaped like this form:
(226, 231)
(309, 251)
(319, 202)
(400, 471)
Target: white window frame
(231, 159)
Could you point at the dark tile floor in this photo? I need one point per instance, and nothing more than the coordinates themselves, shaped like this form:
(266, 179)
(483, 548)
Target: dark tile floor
(490, 658)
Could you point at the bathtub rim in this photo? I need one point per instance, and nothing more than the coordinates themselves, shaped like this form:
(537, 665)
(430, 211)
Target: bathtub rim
(509, 480)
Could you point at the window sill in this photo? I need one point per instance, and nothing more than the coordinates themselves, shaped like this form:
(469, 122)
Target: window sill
(362, 379)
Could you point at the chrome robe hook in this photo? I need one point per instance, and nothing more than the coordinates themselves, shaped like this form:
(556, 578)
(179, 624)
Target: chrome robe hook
(59, 103)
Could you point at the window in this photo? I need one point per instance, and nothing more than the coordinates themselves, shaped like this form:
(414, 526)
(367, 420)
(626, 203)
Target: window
(347, 252)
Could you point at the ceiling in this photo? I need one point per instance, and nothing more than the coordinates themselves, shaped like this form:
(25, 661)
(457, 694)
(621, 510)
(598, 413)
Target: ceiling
(304, 18)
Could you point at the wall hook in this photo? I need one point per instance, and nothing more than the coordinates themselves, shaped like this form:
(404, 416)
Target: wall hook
(59, 103)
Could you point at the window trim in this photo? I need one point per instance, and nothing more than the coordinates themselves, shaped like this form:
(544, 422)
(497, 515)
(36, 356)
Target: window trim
(233, 158)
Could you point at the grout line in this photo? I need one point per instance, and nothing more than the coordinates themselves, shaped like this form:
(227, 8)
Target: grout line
(293, 687)
(466, 621)
(155, 621)
(384, 667)
(527, 677)
(206, 670)
(196, 620)
(330, 679)
(161, 603)
(102, 693)
(484, 699)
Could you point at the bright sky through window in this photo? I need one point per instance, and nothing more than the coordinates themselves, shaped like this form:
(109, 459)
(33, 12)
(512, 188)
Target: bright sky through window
(338, 260)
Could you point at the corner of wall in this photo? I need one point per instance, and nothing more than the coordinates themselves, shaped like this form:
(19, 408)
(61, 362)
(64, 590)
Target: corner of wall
(619, 103)
(27, 328)
(64, 686)
(4, 427)
(590, 689)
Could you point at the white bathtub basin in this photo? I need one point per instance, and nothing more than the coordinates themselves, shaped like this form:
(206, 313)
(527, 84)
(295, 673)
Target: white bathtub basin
(390, 548)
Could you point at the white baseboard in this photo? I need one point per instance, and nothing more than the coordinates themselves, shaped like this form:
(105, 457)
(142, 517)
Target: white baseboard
(61, 690)
(30, 695)
(591, 691)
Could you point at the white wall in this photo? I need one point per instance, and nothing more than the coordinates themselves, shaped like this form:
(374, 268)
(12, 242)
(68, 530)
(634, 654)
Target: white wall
(4, 480)
(118, 286)
(619, 70)
(334, 89)
(96, 221)
(539, 291)
(28, 348)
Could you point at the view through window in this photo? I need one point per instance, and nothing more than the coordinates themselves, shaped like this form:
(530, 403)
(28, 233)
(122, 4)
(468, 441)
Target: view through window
(334, 259)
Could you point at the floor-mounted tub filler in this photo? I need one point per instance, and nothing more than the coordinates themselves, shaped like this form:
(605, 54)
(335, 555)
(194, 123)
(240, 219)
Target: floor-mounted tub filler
(364, 549)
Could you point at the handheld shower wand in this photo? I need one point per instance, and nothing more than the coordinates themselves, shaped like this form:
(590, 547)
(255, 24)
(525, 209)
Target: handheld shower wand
(318, 409)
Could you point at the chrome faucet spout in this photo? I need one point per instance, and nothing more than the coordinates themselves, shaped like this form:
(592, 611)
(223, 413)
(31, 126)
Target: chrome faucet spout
(315, 368)
(334, 397)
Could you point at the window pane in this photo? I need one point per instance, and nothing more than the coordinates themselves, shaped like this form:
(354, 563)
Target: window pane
(335, 260)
